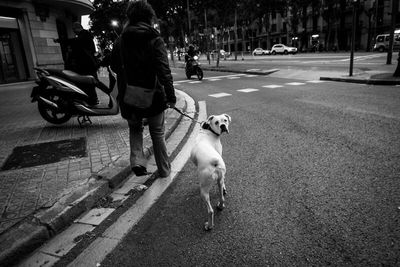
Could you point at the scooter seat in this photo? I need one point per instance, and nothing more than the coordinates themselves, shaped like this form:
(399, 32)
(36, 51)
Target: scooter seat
(77, 78)
(73, 76)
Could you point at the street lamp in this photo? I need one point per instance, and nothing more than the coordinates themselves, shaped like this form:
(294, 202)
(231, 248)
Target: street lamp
(114, 25)
(353, 37)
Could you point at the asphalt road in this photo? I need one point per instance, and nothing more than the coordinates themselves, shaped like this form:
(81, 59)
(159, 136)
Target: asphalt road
(340, 61)
(312, 179)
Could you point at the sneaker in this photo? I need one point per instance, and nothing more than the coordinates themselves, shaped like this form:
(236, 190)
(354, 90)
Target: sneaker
(139, 170)
(161, 175)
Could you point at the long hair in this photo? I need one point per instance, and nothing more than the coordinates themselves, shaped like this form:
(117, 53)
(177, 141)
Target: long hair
(140, 11)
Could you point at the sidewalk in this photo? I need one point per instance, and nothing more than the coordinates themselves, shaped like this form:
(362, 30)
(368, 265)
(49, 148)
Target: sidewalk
(37, 202)
(381, 75)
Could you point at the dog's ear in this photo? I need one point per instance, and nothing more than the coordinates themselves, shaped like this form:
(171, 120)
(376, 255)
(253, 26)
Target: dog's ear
(228, 117)
(210, 119)
(205, 125)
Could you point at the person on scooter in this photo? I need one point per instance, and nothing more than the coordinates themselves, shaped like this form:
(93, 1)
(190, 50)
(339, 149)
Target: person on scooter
(81, 59)
(189, 56)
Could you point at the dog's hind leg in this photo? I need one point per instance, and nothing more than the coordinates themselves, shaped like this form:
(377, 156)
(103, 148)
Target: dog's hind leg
(222, 192)
(205, 195)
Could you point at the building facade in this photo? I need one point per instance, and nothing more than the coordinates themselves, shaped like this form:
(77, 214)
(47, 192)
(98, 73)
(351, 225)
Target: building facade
(27, 32)
(325, 26)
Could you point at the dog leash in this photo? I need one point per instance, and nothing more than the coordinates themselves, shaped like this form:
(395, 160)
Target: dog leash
(186, 115)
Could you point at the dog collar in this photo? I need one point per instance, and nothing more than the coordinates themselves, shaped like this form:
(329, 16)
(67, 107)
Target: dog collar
(206, 126)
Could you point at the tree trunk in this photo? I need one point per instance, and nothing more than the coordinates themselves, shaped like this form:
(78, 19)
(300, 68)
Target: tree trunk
(397, 71)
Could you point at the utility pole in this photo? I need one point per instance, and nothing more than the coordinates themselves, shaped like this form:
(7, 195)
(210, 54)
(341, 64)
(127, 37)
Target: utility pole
(395, 8)
(236, 35)
(353, 38)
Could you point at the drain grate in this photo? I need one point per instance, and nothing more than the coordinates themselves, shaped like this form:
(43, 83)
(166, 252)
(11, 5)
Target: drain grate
(45, 153)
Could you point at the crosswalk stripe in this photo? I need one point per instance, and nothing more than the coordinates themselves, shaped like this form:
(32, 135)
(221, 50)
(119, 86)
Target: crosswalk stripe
(316, 81)
(272, 86)
(295, 83)
(247, 90)
(219, 95)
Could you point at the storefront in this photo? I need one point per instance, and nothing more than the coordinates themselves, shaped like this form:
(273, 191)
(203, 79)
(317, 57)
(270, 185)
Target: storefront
(27, 32)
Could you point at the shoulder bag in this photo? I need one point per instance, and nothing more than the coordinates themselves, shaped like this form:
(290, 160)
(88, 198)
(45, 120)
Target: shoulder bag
(136, 96)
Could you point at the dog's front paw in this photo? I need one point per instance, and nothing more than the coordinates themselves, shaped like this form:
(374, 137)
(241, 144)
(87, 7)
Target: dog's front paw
(207, 227)
(220, 206)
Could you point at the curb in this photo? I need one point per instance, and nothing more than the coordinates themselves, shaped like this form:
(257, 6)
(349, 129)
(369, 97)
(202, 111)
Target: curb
(362, 81)
(34, 232)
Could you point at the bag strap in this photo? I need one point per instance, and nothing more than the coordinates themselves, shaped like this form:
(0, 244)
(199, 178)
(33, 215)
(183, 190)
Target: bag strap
(123, 63)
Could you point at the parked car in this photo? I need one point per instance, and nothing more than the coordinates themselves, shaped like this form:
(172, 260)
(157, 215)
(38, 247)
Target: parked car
(283, 49)
(260, 51)
(382, 42)
(222, 53)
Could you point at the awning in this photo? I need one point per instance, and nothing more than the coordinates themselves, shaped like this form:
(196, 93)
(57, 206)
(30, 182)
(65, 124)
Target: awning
(77, 7)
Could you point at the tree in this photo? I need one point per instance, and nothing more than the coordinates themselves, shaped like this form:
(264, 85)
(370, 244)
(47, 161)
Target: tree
(397, 71)
(101, 18)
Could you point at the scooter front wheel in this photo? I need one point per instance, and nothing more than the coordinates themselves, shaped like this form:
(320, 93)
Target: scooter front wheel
(51, 114)
(199, 73)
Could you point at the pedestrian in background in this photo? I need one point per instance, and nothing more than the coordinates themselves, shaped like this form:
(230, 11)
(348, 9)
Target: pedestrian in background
(106, 62)
(81, 58)
(143, 62)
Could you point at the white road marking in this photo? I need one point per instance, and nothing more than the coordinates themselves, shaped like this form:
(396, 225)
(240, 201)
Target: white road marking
(61, 244)
(225, 76)
(214, 80)
(251, 75)
(104, 244)
(195, 82)
(272, 86)
(219, 95)
(232, 78)
(253, 70)
(295, 83)
(316, 81)
(247, 90)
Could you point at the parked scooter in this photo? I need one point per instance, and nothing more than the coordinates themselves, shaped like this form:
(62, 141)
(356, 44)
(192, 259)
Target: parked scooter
(193, 68)
(60, 96)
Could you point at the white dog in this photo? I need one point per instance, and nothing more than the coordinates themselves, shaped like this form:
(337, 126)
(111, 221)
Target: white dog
(207, 156)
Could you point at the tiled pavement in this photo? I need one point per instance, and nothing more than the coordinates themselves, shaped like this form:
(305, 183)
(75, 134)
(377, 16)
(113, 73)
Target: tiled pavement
(23, 191)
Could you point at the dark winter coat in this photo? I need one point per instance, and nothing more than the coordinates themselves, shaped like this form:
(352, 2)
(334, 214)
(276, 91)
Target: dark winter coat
(81, 58)
(145, 58)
